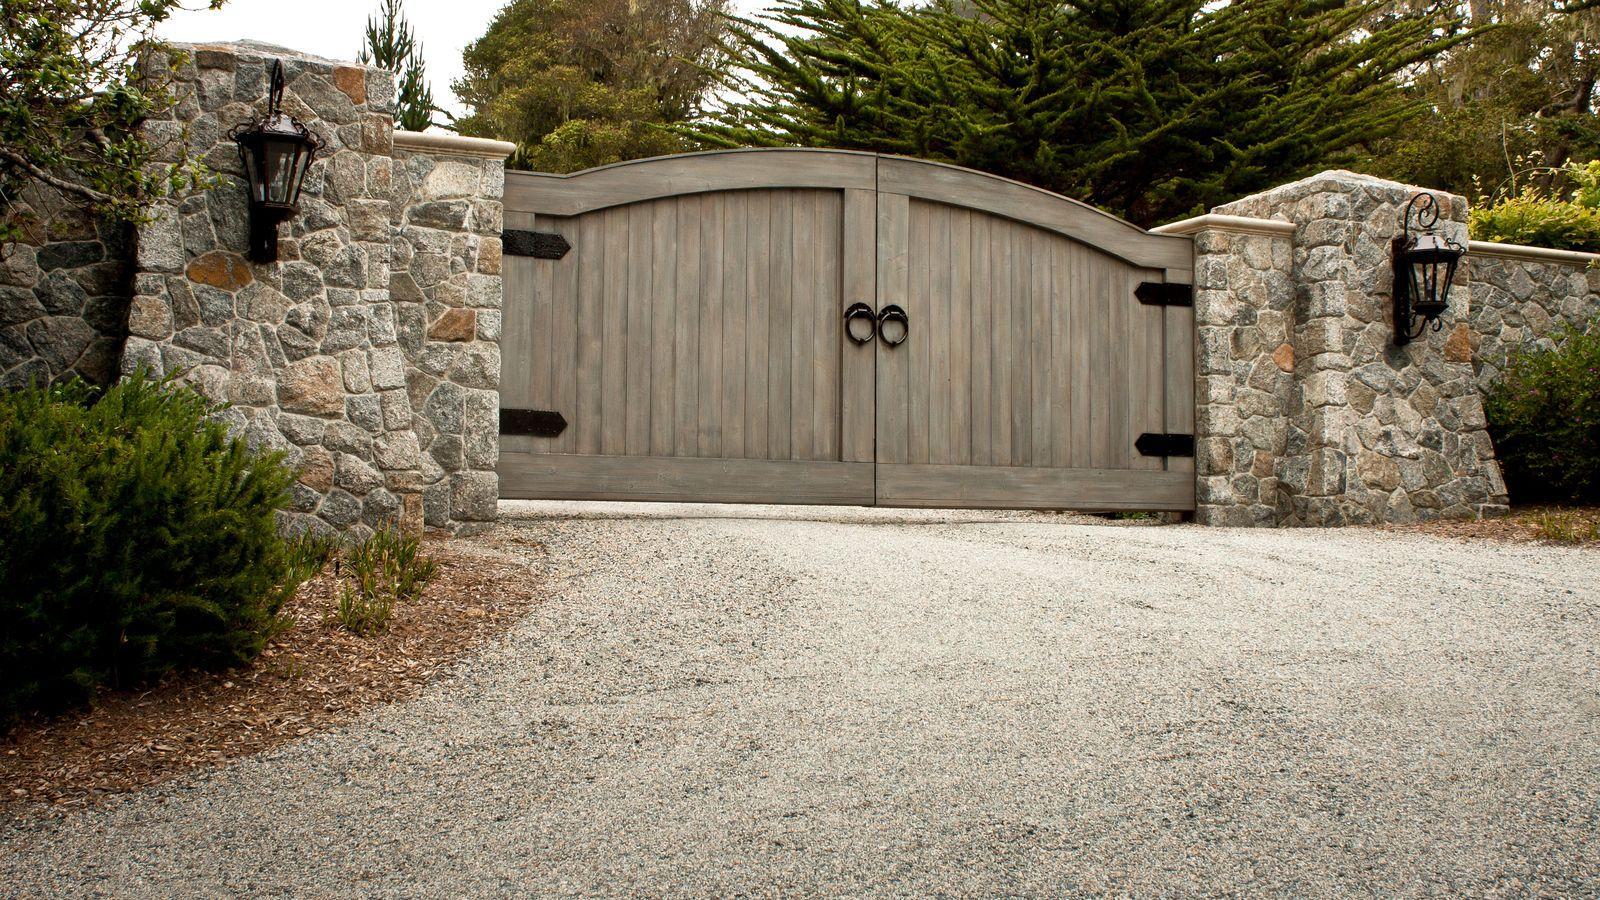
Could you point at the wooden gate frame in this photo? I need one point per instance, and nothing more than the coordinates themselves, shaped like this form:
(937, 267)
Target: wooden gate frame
(862, 177)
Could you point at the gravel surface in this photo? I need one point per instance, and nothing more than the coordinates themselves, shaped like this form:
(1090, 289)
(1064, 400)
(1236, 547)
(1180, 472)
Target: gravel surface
(757, 700)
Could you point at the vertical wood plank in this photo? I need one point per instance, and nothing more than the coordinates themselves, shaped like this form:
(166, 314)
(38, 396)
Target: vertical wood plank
(663, 326)
(1101, 407)
(827, 312)
(586, 422)
(802, 348)
(1145, 367)
(939, 332)
(1064, 259)
(893, 363)
(564, 340)
(1001, 361)
(1021, 344)
(858, 376)
(614, 342)
(637, 360)
(1039, 271)
(736, 302)
(780, 327)
(758, 287)
(918, 346)
(1080, 448)
(982, 324)
(961, 300)
(713, 310)
(686, 326)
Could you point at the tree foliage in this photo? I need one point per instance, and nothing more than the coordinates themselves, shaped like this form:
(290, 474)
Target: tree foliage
(1544, 416)
(76, 77)
(1149, 108)
(1508, 109)
(580, 83)
(391, 44)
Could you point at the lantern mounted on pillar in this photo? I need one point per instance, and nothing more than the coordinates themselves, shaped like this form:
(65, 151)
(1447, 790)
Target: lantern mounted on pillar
(276, 151)
(1424, 266)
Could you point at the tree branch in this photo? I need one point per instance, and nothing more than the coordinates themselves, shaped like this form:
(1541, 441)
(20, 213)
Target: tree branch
(58, 183)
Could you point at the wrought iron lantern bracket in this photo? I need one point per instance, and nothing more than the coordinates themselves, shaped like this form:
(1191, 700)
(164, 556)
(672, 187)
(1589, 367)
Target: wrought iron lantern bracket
(1424, 266)
(276, 150)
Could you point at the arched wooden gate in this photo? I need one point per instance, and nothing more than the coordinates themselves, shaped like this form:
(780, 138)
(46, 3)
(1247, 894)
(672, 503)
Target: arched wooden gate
(676, 329)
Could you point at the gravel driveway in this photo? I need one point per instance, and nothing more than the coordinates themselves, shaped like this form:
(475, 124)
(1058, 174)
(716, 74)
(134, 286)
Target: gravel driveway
(726, 700)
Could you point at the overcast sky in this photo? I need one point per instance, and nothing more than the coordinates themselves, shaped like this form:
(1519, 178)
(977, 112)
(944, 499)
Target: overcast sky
(334, 28)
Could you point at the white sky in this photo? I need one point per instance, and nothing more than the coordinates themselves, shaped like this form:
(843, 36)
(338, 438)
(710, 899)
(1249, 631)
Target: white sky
(334, 28)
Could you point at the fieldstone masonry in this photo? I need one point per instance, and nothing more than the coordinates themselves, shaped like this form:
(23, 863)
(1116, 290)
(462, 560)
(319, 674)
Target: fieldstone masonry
(325, 354)
(1524, 297)
(1308, 414)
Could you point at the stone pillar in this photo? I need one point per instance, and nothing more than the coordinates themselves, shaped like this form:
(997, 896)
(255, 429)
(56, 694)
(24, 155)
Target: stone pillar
(446, 290)
(1373, 432)
(1244, 364)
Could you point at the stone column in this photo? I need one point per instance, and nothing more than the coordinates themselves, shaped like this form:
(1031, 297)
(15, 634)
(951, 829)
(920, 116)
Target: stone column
(305, 349)
(447, 291)
(1375, 432)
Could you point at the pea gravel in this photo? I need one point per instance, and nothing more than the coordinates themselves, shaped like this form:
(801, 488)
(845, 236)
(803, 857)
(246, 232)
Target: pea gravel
(721, 701)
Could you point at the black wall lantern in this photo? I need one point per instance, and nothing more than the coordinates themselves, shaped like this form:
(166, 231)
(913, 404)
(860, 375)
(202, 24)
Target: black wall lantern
(276, 151)
(1424, 266)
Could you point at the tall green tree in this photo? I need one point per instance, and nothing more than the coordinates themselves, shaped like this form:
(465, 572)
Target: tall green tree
(580, 83)
(1149, 108)
(76, 78)
(391, 44)
(1509, 109)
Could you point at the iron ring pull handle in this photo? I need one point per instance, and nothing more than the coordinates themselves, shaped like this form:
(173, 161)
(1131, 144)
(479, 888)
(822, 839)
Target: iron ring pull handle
(860, 312)
(893, 313)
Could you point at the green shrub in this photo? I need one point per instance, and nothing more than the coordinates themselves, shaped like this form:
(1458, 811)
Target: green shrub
(1540, 219)
(383, 570)
(1544, 416)
(136, 537)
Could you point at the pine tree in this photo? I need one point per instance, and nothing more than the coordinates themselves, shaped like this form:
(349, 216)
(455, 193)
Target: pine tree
(391, 44)
(1151, 109)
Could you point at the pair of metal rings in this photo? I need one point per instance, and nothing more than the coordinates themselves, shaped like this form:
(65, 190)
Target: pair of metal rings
(892, 325)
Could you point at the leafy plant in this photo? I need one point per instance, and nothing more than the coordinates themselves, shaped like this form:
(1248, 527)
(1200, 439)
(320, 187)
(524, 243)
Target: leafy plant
(1544, 416)
(385, 569)
(76, 79)
(391, 44)
(136, 537)
(1567, 528)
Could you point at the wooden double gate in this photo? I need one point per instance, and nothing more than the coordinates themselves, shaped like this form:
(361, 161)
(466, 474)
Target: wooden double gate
(803, 326)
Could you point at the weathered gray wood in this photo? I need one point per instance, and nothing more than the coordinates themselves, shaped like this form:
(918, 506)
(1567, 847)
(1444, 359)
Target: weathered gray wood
(976, 190)
(894, 389)
(640, 180)
(1033, 487)
(702, 324)
(690, 479)
(858, 377)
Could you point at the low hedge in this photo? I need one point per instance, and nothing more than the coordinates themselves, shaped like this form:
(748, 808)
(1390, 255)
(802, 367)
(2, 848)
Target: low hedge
(136, 537)
(1544, 416)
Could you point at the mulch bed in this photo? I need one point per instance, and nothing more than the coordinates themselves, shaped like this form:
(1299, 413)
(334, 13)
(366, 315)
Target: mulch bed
(1521, 526)
(311, 678)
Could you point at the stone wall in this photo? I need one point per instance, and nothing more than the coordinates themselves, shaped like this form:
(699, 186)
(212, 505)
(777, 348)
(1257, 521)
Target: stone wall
(1373, 432)
(63, 296)
(1522, 297)
(446, 293)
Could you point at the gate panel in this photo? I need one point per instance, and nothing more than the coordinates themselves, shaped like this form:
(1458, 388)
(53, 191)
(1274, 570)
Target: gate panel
(701, 326)
(1029, 371)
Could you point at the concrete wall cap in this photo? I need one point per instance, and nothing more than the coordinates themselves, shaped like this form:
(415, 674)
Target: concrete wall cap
(452, 145)
(1220, 222)
(1532, 254)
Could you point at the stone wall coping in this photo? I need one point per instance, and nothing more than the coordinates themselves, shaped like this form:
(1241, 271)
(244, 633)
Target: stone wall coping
(452, 144)
(1220, 222)
(1532, 254)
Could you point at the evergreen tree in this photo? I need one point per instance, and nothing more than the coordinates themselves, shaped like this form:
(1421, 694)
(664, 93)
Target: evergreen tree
(1151, 109)
(391, 44)
(580, 83)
